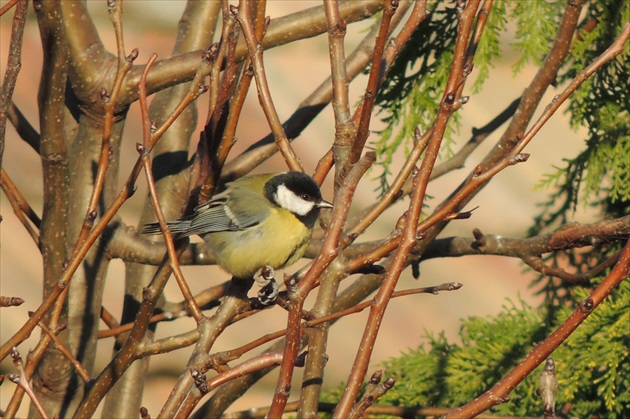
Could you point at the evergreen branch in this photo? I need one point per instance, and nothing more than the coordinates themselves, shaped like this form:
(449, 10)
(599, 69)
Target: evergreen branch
(499, 392)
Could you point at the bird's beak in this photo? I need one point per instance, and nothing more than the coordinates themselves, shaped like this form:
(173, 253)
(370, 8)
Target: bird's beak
(324, 204)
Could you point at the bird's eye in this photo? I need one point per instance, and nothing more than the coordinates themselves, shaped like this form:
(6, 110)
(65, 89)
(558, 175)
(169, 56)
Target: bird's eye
(305, 197)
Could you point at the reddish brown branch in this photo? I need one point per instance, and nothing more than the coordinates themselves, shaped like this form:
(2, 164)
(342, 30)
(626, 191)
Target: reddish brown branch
(235, 353)
(310, 107)
(124, 357)
(455, 81)
(7, 6)
(483, 173)
(373, 391)
(227, 95)
(377, 70)
(542, 80)
(192, 306)
(401, 186)
(238, 90)
(209, 329)
(499, 392)
(392, 194)
(110, 100)
(312, 22)
(609, 54)
(120, 329)
(336, 28)
(397, 411)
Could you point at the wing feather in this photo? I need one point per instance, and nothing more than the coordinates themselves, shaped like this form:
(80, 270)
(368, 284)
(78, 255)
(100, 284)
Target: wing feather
(222, 213)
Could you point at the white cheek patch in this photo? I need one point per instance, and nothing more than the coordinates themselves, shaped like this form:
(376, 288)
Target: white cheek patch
(288, 200)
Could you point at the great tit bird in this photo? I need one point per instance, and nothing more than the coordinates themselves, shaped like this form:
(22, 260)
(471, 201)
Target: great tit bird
(259, 221)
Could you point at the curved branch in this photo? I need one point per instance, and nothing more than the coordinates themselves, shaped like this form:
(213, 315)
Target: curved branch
(90, 63)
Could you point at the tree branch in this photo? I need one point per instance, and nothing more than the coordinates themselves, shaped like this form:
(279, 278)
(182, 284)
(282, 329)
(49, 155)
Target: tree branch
(567, 237)
(281, 31)
(14, 63)
(499, 392)
(264, 94)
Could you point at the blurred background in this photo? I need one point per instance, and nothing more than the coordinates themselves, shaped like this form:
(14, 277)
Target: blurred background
(506, 206)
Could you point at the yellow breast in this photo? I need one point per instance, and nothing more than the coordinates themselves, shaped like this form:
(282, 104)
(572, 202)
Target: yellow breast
(279, 241)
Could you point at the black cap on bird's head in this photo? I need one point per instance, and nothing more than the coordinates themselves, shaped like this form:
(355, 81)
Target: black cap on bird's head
(298, 193)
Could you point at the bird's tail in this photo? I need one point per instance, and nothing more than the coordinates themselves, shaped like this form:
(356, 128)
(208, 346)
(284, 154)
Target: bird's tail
(179, 228)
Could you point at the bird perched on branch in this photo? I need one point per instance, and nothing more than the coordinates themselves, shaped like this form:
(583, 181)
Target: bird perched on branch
(259, 221)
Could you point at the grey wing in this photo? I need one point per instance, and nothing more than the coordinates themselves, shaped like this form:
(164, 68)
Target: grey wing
(221, 213)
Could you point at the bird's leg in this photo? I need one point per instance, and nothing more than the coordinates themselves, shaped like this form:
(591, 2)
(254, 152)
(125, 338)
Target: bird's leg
(266, 278)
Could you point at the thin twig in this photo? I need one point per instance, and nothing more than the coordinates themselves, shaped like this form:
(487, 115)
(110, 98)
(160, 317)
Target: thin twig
(256, 53)
(21, 207)
(611, 52)
(252, 365)
(375, 80)
(14, 64)
(241, 350)
(180, 68)
(7, 6)
(396, 411)
(336, 28)
(209, 329)
(514, 156)
(22, 380)
(110, 100)
(192, 306)
(80, 369)
(372, 213)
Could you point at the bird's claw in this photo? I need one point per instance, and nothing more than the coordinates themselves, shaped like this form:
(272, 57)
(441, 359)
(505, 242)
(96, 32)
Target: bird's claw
(266, 278)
